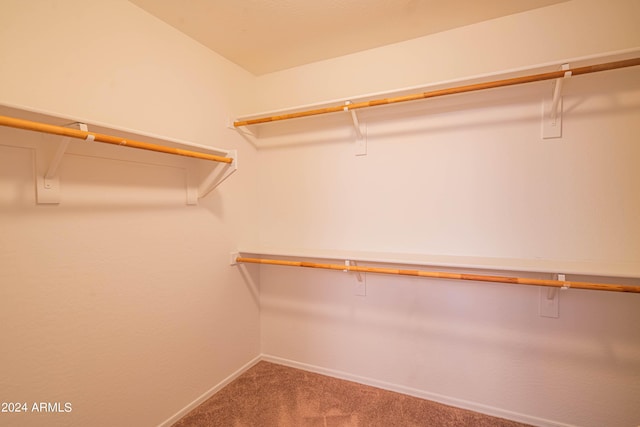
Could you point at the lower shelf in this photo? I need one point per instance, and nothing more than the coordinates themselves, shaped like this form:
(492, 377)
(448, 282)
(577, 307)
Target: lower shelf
(581, 268)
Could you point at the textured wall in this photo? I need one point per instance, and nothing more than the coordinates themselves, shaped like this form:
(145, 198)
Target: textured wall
(119, 300)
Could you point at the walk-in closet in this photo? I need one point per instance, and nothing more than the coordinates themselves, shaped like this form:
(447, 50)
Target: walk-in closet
(439, 230)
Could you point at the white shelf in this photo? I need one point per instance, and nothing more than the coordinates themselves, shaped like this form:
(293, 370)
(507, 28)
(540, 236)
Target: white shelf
(539, 68)
(582, 268)
(200, 183)
(344, 127)
(28, 113)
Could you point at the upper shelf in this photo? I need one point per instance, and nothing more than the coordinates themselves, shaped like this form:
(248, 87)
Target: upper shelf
(556, 71)
(27, 113)
(67, 128)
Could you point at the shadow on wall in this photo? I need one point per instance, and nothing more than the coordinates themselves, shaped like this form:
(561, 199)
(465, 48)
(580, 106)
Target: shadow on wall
(251, 278)
(423, 317)
(97, 178)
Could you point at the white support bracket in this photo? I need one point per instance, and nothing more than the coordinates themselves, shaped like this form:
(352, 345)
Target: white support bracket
(550, 298)
(233, 258)
(354, 117)
(361, 137)
(243, 129)
(48, 185)
(217, 176)
(552, 109)
(361, 284)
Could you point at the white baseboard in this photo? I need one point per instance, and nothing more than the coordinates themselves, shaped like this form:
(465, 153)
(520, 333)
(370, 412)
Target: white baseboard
(446, 400)
(207, 394)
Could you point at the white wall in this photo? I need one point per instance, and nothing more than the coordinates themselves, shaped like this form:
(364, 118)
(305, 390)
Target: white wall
(119, 300)
(467, 176)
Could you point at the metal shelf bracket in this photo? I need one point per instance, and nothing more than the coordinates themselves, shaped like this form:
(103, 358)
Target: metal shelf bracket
(360, 288)
(48, 185)
(552, 110)
(550, 298)
(216, 177)
(361, 137)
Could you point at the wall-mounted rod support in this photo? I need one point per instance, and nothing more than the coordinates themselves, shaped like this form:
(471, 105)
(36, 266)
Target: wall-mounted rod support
(557, 92)
(107, 139)
(552, 292)
(52, 171)
(444, 275)
(217, 175)
(349, 263)
(449, 91)
(354, 118)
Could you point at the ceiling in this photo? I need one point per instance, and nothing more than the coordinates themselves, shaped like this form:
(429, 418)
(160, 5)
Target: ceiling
(263, 36)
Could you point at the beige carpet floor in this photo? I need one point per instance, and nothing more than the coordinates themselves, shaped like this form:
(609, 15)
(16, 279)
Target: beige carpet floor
(272, 395)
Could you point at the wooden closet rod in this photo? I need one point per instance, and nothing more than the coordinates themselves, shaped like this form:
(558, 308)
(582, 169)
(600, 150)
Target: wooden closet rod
(449, 91)
(107, 139)
(444, 275)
